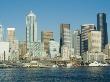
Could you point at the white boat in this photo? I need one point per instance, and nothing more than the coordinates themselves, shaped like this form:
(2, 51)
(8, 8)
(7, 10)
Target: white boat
(105, 64)
(55, 66)
(95, 63)
(26, 64)
(69, 65)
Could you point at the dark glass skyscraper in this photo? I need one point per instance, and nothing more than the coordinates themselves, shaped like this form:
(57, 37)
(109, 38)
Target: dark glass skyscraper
(85, 29)
(102, 26)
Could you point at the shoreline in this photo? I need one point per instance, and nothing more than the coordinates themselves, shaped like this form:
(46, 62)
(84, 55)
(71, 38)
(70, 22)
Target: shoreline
(54, 68)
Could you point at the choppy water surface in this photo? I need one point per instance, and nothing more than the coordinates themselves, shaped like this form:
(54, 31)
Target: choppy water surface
(77, 74)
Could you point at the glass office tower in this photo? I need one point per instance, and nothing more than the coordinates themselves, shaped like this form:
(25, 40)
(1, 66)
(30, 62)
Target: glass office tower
(102, 26)
(31, 29)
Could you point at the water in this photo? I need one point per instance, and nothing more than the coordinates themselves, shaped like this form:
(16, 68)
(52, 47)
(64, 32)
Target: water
(77, 74)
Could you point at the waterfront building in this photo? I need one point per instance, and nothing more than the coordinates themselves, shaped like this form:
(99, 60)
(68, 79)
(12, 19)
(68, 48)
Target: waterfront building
(76, 42)
(22, 49)
(14, 51)
(15, 45)
(1, 33)
(107, 50)
(102, 26)
(53, 49)
(94, 52)
(65, 36)
(65, 52)
(85, 29)
(45, 38)
(31, 30)
(36, 50)
(4, 51)
(95, 56)
(94, 41)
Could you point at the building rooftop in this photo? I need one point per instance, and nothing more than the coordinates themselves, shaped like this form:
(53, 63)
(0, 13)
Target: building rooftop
(31, 13)
(10, 28)
(87, 24)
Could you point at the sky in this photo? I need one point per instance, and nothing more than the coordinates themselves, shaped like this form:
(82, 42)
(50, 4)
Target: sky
(51, 13)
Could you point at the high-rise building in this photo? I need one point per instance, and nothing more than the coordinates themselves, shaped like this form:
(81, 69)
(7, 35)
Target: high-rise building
(85, 29)
(11, 37)
(11, 34)
(65, 36)
(94, 41)
(53, 48)
(45, 38)
(13, 44)
(1, 33)
(76, 42)
(4, 51)
(94, 48)
(31, 29)
(102, 26)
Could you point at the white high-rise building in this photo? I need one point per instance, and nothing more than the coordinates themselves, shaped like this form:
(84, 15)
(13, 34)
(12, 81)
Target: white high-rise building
(53, 48)
(31, 29)
(4, 51)
(65, 53)
(1, 33)
(94, 41)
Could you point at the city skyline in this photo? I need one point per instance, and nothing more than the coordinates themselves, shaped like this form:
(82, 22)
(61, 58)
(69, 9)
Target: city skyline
(50, 16)
(54, 40)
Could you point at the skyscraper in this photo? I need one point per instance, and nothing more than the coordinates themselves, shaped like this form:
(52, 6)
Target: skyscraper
(85, 29)
(102, 26)
(4, 51)
(94, 41)
(31, 29)
(65, 37)
(45, 38)
(1, 33)
(76, 42)
(53, 48)
(13, 44)
(10, 34)
(94, 52)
